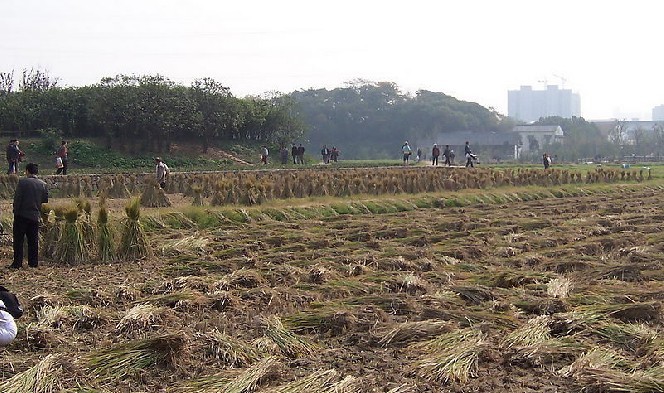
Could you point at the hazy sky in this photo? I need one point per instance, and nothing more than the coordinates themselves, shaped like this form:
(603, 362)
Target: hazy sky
(475, 50)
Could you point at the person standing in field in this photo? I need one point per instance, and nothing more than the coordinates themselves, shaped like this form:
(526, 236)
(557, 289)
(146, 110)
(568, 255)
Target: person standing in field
(294, 154)
(300, 153)
(435, 152)
(283, 153)
(546, 160)
(406, 151)
(325, 152)
(264, 154)
(63, 154)
(161, 172)
(334, 154)
(13, 156)
(30, 193)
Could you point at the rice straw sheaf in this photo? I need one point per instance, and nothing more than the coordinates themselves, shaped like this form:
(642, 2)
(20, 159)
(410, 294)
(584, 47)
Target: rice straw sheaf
(408, 332)
(614, 380)
(133, 243)
(596, 358)
(193, 243)
(154, 196)
(82, 317)
(71, 247)
(402, 389)
(245, 382)
(141, 318)
(105, 242)
(535, 331)
(289, 343)
(230, 350)
(319, 381)
(451, 356)
(129, 358)
(43, 377)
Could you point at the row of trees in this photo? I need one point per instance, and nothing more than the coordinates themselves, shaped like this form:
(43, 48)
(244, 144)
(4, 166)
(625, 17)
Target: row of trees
(145, 112)
(371, 120)
(363, 119)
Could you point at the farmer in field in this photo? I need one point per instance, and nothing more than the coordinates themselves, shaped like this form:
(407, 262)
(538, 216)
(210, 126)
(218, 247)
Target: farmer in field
(447, 153)
(161, 172)
(62, 154)
(294, 154)
(406, 151)
(469, 155)
(8, 328)
(30, 193)
(13, 156)
(325, 152)
(435, 152)
(546, 160)
(284, 155)
(300, 154)
(264, 154)
(334, 154)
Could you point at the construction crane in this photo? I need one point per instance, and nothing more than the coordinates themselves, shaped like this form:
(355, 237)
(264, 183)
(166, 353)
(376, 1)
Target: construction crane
(562, 80)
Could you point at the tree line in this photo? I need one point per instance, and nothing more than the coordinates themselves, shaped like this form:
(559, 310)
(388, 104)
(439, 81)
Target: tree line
(144, 112)
(363, 119)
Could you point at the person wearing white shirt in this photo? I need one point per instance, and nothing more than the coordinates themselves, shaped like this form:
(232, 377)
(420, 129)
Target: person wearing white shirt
(8, 328)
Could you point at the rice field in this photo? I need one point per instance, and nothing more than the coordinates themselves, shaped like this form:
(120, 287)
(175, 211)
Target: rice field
(540, 286)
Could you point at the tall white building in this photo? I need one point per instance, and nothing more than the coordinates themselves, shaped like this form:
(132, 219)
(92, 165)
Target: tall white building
(658, 113)
(529, 105)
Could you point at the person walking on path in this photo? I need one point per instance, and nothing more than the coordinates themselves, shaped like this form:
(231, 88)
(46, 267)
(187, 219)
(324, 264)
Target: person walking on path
(62, 154)
(447, 153)
(30, 193)
(407, 151)
(435, 152)
(325, 152)
(469, 155)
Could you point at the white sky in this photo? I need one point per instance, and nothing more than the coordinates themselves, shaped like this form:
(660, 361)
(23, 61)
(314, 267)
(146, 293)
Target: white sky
(476, 50)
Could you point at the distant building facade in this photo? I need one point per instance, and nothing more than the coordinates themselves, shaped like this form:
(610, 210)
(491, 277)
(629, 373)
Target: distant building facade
(658, 113)
(534, 138)
(529, 105)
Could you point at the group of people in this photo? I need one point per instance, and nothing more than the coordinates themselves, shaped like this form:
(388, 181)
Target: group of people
(298, 154)
(329, 154)
(448, 155)
(15, 156)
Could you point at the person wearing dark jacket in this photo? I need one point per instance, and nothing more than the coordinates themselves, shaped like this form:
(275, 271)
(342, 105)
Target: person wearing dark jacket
(447, 153)
(469, 155)
(30, 193)
(435, 152)
(13, 156)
